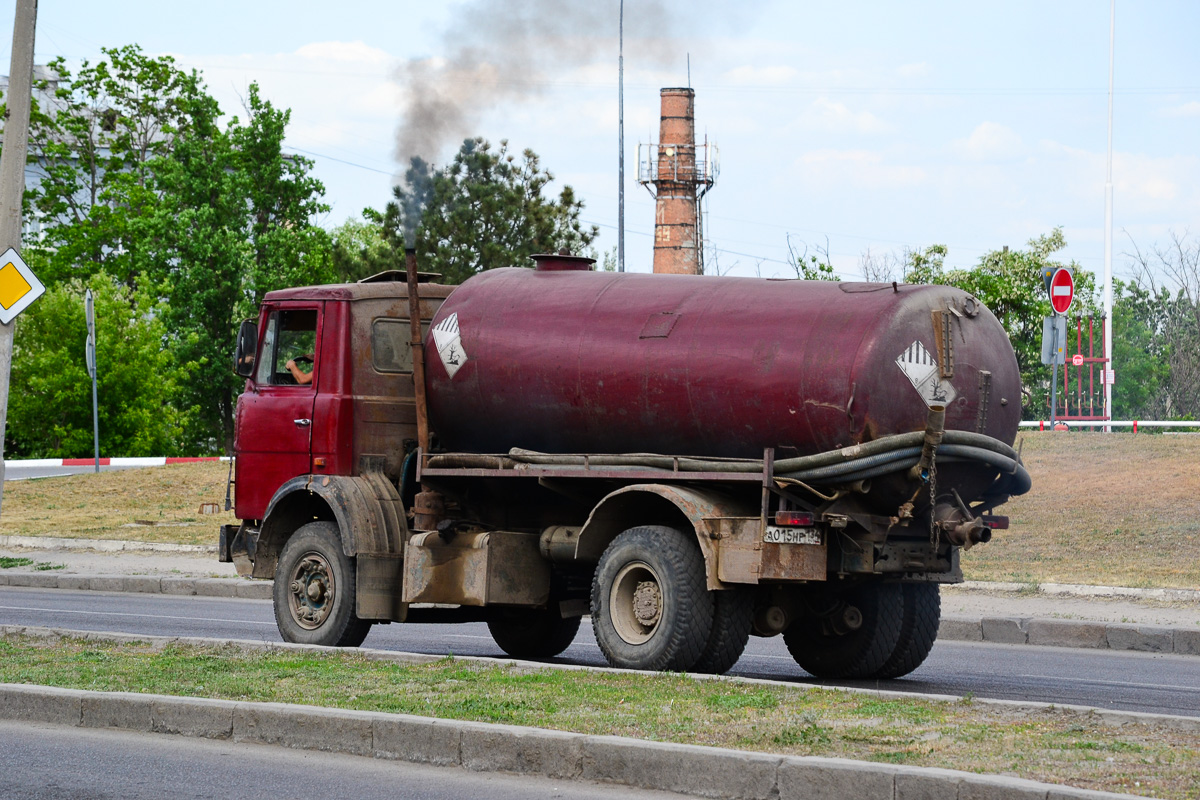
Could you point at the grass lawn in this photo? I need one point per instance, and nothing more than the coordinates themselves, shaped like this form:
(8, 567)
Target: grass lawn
(1120, 509)
(152, 504)
(1052, 745)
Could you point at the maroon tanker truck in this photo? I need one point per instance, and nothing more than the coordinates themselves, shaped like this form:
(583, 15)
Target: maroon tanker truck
(688, 460)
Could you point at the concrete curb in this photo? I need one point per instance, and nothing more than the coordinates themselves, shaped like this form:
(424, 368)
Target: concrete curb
(102, 545)
(1072, 633)
(1084, 590)
(149, 584)
(482, 747)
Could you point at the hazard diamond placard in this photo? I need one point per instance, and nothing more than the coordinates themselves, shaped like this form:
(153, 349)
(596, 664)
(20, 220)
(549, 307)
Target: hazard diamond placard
(18, 286)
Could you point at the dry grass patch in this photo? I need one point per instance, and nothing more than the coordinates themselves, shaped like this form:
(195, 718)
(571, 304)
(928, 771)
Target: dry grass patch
(151, 504)
(1049, 745)
(1119, 509)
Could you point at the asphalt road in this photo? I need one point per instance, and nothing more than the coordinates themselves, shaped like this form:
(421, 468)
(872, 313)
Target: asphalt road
(46, 762)
(1156, 683)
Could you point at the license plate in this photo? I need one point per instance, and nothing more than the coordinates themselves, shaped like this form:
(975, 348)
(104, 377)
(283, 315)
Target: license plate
(775, 535)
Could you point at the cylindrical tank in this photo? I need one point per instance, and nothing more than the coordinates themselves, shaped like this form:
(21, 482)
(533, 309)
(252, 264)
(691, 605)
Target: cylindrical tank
(595, 362)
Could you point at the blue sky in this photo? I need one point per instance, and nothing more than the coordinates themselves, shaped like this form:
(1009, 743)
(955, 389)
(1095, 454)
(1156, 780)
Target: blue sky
(878, 125)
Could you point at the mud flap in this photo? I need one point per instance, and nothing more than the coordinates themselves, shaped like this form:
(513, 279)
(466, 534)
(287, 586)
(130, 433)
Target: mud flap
(379, 588)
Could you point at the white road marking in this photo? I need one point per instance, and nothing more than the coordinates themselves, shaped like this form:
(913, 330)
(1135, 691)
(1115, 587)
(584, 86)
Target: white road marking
(1163, 686)
(139, 616)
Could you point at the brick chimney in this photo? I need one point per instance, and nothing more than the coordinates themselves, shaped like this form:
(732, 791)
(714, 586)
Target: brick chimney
(680, 179)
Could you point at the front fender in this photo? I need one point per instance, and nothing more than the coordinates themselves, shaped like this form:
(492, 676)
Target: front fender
(367, 509)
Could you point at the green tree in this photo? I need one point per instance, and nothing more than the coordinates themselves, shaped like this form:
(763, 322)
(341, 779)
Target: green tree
(1173, 316)
(142, 182)
(1010, 284)
(486, 209)
(1141, 354)
(360, 249)
(810, 266)
(50, 399)
(283, 199)
(95, 144)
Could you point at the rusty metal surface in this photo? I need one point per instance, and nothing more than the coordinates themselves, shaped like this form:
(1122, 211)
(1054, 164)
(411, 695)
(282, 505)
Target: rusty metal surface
(802, 366)
(476, 569)
(418, 348)
(793, 562)
(608, 473)
(743, 556)
(739, 547)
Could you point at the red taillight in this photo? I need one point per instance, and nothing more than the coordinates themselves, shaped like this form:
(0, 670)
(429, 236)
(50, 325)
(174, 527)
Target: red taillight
(995, 522)
(801, 518)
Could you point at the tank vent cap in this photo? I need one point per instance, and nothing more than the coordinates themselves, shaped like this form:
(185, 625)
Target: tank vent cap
(562, 262)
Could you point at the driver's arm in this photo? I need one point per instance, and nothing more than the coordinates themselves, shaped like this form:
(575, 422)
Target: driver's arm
(300, 375)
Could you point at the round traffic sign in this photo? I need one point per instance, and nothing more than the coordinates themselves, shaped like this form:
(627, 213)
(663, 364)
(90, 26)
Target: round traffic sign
(1062, 290)
(1077, 359)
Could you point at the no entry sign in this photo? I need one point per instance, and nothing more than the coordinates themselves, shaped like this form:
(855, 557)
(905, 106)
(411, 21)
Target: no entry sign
(1062, 290)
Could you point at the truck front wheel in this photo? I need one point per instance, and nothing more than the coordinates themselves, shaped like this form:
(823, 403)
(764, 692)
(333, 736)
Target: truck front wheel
(314, 590)
(651, 608)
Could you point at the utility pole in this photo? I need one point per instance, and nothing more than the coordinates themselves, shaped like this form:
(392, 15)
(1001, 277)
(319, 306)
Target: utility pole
(12, 176)
(90, 314)
(621, 140)
(1108, 215)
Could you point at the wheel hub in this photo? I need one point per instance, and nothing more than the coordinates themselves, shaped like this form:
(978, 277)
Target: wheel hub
(635, 602)
(311, 591)
(647, 603)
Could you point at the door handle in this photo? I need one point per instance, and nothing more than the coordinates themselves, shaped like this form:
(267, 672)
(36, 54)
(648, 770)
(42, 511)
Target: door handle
(302, 423)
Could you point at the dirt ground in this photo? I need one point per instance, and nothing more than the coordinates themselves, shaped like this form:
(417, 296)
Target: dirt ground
(1119, 509)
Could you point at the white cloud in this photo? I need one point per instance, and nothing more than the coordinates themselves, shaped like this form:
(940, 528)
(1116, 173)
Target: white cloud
(836, 117)
(866, 169)
(990, 141)
(1191, 109)
(346, 52)
(760, 76)
(918, 70)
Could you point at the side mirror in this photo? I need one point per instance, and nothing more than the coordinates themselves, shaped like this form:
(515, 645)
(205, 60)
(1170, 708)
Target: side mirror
(247, 341)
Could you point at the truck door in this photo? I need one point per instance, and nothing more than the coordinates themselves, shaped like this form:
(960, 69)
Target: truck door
(275, 418)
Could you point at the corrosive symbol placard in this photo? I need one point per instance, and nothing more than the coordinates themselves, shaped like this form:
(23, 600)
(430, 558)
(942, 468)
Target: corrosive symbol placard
(18, 286)
(449, 344)
(922, 370)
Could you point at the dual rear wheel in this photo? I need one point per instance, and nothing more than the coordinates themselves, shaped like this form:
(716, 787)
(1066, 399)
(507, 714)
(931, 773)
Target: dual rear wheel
(651, 610)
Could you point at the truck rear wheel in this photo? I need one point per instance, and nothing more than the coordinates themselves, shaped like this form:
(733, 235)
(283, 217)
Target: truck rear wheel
(651, 608)
(918, 631)
(733, 615)
(849, 634)
(314, 590)
(532, 632)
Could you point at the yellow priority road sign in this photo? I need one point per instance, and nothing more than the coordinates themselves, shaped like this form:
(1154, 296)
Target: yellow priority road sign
(18, 286)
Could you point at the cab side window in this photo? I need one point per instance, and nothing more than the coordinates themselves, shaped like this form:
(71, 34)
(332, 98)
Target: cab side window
(391, 344)
(289, 348)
